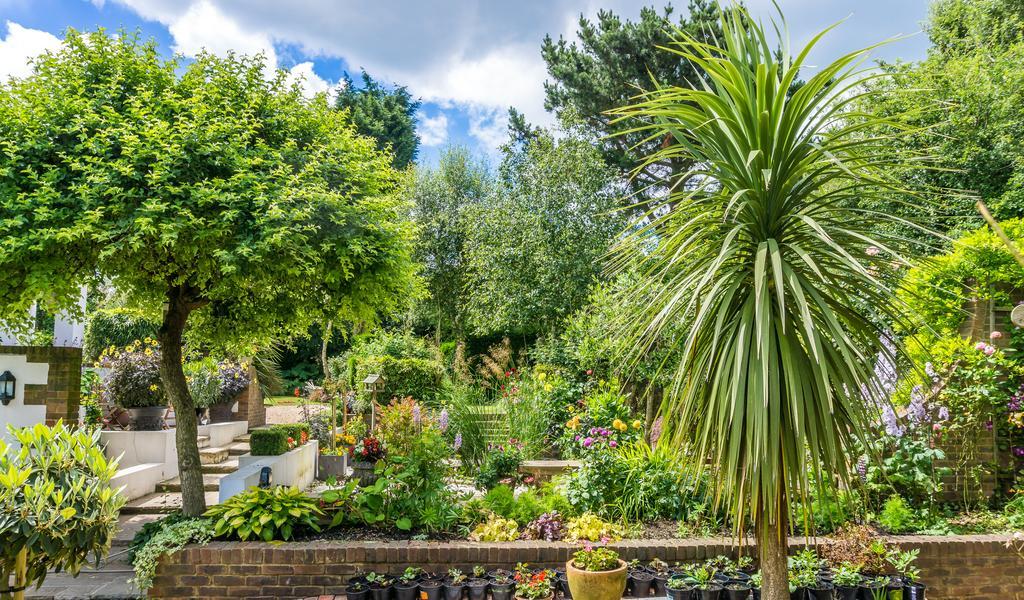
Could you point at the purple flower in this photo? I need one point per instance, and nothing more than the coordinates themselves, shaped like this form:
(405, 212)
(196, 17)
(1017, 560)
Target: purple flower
(929, 370)
(588, 442)
(988, 425)
(416, 414)
(891, 422)
(613, 443)
(862, 467)
(916, 411)
(442, 421)
(1018, 451)
(458, 440)
(943, 413)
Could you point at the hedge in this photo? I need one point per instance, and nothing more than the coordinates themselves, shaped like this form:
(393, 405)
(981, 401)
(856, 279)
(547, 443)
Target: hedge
(113, 327)
(416, 377)
(273, 441)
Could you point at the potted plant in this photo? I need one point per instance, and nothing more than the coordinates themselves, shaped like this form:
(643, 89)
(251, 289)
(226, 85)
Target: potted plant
(679, 588)
(454, 584)
(755, 586)
(502, 585)
(737, 590)
(232, 379)
(640, 580)
(357, 589)
(819, 589)
(597, 573)
(431, 586)
(801, 579)
(365, 455)
(535, 585)
(703, 579)
(134, 384)
(407, 586)
(380, 586)
(873, 588)
(477, 586)
(659, 569)
(846, 579)
(909, 574)
(745, 564)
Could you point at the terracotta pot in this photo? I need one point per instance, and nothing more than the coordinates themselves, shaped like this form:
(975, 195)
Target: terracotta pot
(596, 585)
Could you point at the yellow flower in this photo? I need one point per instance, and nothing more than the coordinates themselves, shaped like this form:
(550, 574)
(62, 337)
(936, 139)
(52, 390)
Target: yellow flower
(149, 352)
(637, 424)
(542, 376)
(573, 423)
(152, 387)
(548, 387)
(618, 424)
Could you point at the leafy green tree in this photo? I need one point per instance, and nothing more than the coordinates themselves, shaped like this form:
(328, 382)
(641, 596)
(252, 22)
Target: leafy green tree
(224, 201)
(612, 62)
(386, 115)
(534, 245)
(768, 264)
(972, 88)
(441, 197)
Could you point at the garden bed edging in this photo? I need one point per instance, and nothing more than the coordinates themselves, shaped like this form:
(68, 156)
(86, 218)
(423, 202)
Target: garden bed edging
(296, 468)
(962, 567)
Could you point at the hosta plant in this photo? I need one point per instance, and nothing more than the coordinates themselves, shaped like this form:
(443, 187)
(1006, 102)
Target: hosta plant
(267, 514)
(591, 527)
(495, 529)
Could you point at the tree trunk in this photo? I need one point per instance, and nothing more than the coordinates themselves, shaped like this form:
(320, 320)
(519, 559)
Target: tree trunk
(772, 550)
(323, 349)
(186, 433)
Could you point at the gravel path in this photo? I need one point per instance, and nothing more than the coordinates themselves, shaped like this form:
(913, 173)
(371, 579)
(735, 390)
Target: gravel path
(285, 414)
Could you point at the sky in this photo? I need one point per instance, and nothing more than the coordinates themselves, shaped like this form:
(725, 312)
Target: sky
(467, 60)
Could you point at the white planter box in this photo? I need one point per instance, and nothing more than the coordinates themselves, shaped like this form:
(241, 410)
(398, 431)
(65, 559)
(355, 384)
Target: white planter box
(145, 458)
(295, 468)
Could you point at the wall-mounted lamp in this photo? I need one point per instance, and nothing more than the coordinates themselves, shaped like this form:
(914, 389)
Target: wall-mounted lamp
(7, 383)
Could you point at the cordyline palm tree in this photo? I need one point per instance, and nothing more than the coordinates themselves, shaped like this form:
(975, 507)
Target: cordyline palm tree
(777, 274)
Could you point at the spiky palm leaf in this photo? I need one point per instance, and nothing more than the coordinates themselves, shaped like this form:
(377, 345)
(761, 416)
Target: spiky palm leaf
(765, 256)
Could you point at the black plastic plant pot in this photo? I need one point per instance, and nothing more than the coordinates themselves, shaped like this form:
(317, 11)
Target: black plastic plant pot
(452, 591)
(680, 594)
(871, 590)
(357, 594)
(477, 589)
(641, 583)
(738, 576)
(822, 591)
(846, 592)
(711, 591)
(755, 593)
(357, 579)
(407, 591)
(737, 591)
(380, 592)
(431, 588)
(563, 584)
(798, 594)
(492, 575)
(721, 579)
(503, 591)
(913, 591)
(659, 583)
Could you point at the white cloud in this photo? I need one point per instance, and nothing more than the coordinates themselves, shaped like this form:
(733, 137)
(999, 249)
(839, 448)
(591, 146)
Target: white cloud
(490, 126)
(311, 83)
(433, 131)
(20, 45)
(205, 26)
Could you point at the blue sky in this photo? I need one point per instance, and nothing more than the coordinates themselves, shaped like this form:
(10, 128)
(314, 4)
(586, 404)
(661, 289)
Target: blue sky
(467, 59)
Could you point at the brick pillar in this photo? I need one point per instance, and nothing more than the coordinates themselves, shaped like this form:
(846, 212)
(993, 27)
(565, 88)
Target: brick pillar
(250, 403)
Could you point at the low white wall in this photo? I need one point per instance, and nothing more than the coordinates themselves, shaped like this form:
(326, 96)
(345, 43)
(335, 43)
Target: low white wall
(145, 458)
(223, 434)
(295, 468)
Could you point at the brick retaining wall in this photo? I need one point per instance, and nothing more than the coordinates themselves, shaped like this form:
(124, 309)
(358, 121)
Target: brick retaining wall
(953, 567)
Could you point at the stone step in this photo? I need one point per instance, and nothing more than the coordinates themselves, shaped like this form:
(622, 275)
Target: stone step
(229, 465)
(203, 441)
(243, 438)
(238, 448)
(159, 503)
(211, 483)
(212, 456)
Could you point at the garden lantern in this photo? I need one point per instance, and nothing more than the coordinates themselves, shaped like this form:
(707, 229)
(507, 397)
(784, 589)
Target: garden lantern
(373, 384)
(7, 382)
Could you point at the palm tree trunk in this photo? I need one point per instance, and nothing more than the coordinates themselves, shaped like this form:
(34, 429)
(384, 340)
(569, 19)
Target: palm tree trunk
(173, 377)
(772, 550)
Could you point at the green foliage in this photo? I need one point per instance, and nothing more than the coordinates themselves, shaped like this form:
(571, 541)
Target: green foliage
(903, 562)
(463, 403)
(167, 536)
(56, 501)
(269, 441)
(903, 465)
(612, 60)
(534, 246)
(134, 379)
(495, 529)
(409, 365)
(386, 115)
(846, 575)
(441, 198)
(501, 462)
(267, 514)
(117, 327)
(764, 258)
(596, 558)
(591, 527)
(897, 516)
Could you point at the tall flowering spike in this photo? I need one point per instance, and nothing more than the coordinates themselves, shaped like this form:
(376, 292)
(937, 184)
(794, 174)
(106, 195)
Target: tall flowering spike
(442, 420)
(416, 414)
(458, 440)
(891, 422)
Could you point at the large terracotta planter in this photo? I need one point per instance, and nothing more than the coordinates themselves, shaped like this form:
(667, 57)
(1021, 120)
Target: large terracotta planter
(596, 585)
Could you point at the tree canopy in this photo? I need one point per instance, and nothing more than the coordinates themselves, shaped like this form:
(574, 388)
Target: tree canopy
(386, 115)
(612, 63)
(219, 198)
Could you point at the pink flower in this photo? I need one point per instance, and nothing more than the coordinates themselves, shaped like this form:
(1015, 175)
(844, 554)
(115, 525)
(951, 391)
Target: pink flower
(872, 251)
(996, 335)
(980, 346)
(990, 350)
(613, 443)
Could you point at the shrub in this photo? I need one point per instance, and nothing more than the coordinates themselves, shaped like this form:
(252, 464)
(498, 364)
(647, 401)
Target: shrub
(271, 441)
(409, 365)
(108, 327)
(548, 526)
(495, 529)
(167, 537)
(597, 558)
(203, 381)
(463, 403)
(399, 423)
(589, 526)
(134, 378)
(897, 516)
(501, 462)
(500, 500)
(267, 514)
(56, 503)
